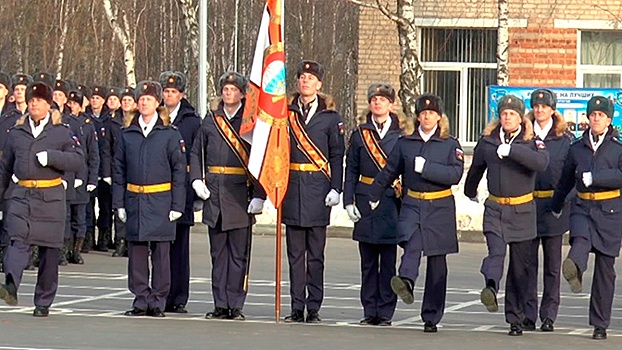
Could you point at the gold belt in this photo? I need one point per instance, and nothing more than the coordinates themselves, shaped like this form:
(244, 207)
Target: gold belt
(303, 167)
(366, 180)
(226, 170)
(40, 183)
(599, 196)
(163, 187)
(526, 198)
(543, 194)
(430, 195)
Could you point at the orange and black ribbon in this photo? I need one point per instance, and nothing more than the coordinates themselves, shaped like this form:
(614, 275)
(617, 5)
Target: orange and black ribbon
(234, 140)
(310, 150)
(378, 156)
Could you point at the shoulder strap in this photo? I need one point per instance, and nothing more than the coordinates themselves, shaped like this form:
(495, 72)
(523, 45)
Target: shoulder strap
(306, 145)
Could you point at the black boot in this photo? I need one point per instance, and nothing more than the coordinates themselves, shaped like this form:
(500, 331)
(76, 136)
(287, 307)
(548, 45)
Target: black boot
(120, 249)
(34, 258)
(65, 251)
(88, 242)
(103, 240)
(2, 250)
(76, 257)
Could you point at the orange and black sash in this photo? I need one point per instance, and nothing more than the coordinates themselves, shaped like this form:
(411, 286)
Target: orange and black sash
(378, 156)
(234, 140)
(310, 150)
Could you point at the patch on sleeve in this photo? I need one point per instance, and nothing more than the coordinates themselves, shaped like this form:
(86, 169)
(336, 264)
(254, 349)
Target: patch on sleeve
(76, 140)
(182, 143)
(342, 128)
(459, 154)
(540, 144)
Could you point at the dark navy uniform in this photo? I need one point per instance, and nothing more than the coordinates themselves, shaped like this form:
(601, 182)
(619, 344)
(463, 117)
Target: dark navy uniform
(510, 212)
(35, 211)
(225, 211)
(85, 132)
(149, 182)
(595, 216)
(376, 230)
(188, 124)
(550, 230)
(113, 126)
(304, 209)
(427, 224)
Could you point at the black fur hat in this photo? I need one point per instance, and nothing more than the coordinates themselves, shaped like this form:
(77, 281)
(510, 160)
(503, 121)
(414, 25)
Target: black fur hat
(86, 91)
(173, 80)
(543, 97)
(148, 87)
(128, 91)
(602, 104)
(233, 78)
(20, 79)
(100, 91)
(381, 89)
(429, 102)
(311, 67)
(44, 78)
(113, 91)
(40, 90)
(63, 86)
(5, 80)
(511, 102)
(76, 96)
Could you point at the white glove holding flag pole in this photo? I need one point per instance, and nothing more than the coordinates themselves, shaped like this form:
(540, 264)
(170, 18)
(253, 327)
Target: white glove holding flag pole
(587, 179)
(503, 150)
(108, 180)
(1, 215)
(64, 183)
(90, 188)
(332, 198)
(77, 183)
(122, 215)
(353, 212)
(255, 206)
(174, 215)
(200, 189)
(42, 157)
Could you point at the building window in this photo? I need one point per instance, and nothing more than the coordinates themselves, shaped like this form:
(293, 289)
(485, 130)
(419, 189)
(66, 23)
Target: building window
(600, 59)
(459, 64)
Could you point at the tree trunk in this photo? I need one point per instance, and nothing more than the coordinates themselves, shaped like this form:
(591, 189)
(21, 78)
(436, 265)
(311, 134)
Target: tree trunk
(411, 70)
(123, 35)
(503, 44)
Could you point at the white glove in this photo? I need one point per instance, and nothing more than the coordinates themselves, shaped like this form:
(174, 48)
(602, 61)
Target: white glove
(419, 163)
(122, 215)
(1, 215)
(503, 150)
(200, 189)
(64, 183)
(373, 205)
(14, 178)
(353, 212)
(90, 188)
(42, 157)
(332, 198)
(255, 206)
(174, 215)
(557, 215)
(108, 180)
(587, 179)
(77, 183)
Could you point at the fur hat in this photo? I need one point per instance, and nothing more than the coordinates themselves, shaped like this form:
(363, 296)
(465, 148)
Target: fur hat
(100, 91)
(86, 91)
(5, 80)
(233, 78)
(76, 96)
(40, 90)
(600, 103)
(429, 102)
(113, 91)
(149, 87)
(62, 86)
(20, 79)
(543, 97)
(173, 80)
(381, 89)
(128, 91)
(310, 67)
(44, 77)
(511, 102)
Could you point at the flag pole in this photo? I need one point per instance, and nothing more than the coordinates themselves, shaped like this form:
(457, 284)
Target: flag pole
(277, 292)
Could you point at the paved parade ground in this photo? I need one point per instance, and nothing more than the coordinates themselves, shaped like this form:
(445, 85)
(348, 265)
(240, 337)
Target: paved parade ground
(87, 313)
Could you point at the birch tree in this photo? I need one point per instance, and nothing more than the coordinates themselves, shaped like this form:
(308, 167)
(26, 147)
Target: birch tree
(411, 70)
(503, 43)
(123, 35)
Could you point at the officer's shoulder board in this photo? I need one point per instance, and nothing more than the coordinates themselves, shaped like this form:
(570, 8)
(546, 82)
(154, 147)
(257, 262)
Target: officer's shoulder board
(617, 139)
